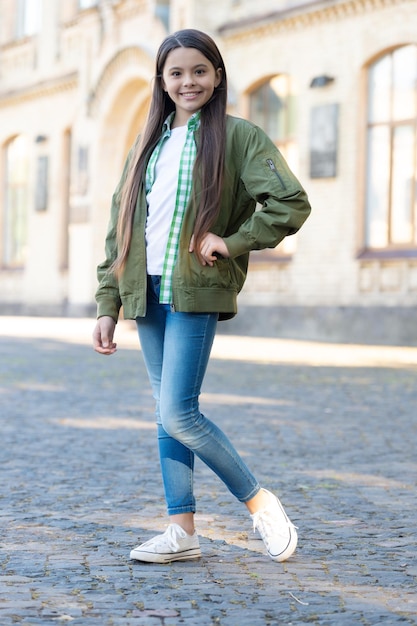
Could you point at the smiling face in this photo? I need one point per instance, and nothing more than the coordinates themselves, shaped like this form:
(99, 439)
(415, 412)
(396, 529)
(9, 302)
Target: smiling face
(190, 79)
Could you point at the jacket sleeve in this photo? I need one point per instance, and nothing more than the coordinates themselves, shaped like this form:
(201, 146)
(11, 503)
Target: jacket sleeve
(107, 295)
(283, 203)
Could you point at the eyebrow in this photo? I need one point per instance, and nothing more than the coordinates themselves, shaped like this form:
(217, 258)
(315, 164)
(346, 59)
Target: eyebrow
(177, 67)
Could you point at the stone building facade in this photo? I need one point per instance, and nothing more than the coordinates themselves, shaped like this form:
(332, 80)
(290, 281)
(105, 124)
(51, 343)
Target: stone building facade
(333, 82)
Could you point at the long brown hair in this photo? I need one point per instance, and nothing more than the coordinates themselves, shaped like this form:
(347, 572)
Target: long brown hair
(209, 163)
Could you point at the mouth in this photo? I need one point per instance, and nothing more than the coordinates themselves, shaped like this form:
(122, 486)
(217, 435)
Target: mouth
(190, 94)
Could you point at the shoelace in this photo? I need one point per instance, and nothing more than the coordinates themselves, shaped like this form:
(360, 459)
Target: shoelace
(263, 521)
(168, 539)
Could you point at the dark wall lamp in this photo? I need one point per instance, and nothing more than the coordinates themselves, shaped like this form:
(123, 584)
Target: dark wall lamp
(41, 139)
(321, 81)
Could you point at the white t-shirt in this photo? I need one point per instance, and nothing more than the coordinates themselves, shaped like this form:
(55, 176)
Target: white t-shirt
(161, 200)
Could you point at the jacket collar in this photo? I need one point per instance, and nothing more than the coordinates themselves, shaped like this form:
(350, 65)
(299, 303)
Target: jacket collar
(192, 124)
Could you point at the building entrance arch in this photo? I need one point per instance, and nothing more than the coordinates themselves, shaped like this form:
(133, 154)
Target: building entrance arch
(120, 106)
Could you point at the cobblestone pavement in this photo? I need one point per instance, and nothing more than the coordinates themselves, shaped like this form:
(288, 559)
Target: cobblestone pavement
(331, 429)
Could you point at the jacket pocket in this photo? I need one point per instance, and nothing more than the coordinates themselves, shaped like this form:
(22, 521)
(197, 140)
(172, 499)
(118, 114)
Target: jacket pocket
(274, 170)
(190, 273)
(225, 273)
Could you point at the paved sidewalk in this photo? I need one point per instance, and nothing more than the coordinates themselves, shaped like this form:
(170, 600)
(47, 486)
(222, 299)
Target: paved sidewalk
(331, 429)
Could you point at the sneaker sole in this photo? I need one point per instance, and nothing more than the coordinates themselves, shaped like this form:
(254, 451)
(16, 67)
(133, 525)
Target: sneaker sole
(152, 557)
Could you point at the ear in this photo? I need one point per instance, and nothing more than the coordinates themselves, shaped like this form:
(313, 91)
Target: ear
(163, 84)
(218, 78)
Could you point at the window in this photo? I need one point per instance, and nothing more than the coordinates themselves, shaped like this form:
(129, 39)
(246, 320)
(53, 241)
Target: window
(86, 4)
(16, 205)
(390, 201)
(271, 106)
(28, 17)
(162, 10)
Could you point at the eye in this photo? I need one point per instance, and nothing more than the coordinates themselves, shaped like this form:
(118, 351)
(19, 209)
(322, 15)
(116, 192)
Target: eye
(199, 72)
(175, 74)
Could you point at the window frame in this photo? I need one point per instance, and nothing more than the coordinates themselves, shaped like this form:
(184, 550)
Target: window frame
(20, 189)
(28, 18)
(391, 248)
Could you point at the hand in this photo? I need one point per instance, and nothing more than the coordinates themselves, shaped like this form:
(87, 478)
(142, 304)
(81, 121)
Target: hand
(103, 335)
(210, 245)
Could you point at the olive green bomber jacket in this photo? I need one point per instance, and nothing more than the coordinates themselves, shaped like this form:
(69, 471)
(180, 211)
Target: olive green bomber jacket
(255, 172)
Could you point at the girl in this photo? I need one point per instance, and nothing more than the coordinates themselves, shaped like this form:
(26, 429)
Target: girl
(183, 222)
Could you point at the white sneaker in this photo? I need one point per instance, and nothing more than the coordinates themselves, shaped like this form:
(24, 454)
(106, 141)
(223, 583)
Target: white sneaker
(277, 532)
(174, 545)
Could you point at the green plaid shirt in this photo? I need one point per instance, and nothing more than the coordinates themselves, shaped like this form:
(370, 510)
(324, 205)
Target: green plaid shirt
(188, 155)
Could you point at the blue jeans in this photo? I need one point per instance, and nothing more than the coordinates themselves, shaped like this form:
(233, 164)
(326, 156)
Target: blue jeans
(176, 349)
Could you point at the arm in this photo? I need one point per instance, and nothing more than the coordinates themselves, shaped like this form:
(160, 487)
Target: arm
(107, 294)
(268, 180)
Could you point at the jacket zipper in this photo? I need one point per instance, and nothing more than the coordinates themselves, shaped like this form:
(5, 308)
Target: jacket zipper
(272, 167)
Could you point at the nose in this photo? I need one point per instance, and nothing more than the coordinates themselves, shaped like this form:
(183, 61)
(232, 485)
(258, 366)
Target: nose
(188, 79)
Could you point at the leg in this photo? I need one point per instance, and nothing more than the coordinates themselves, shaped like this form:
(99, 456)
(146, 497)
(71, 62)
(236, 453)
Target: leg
(187, 346)
(177, 461)
(188, 341)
